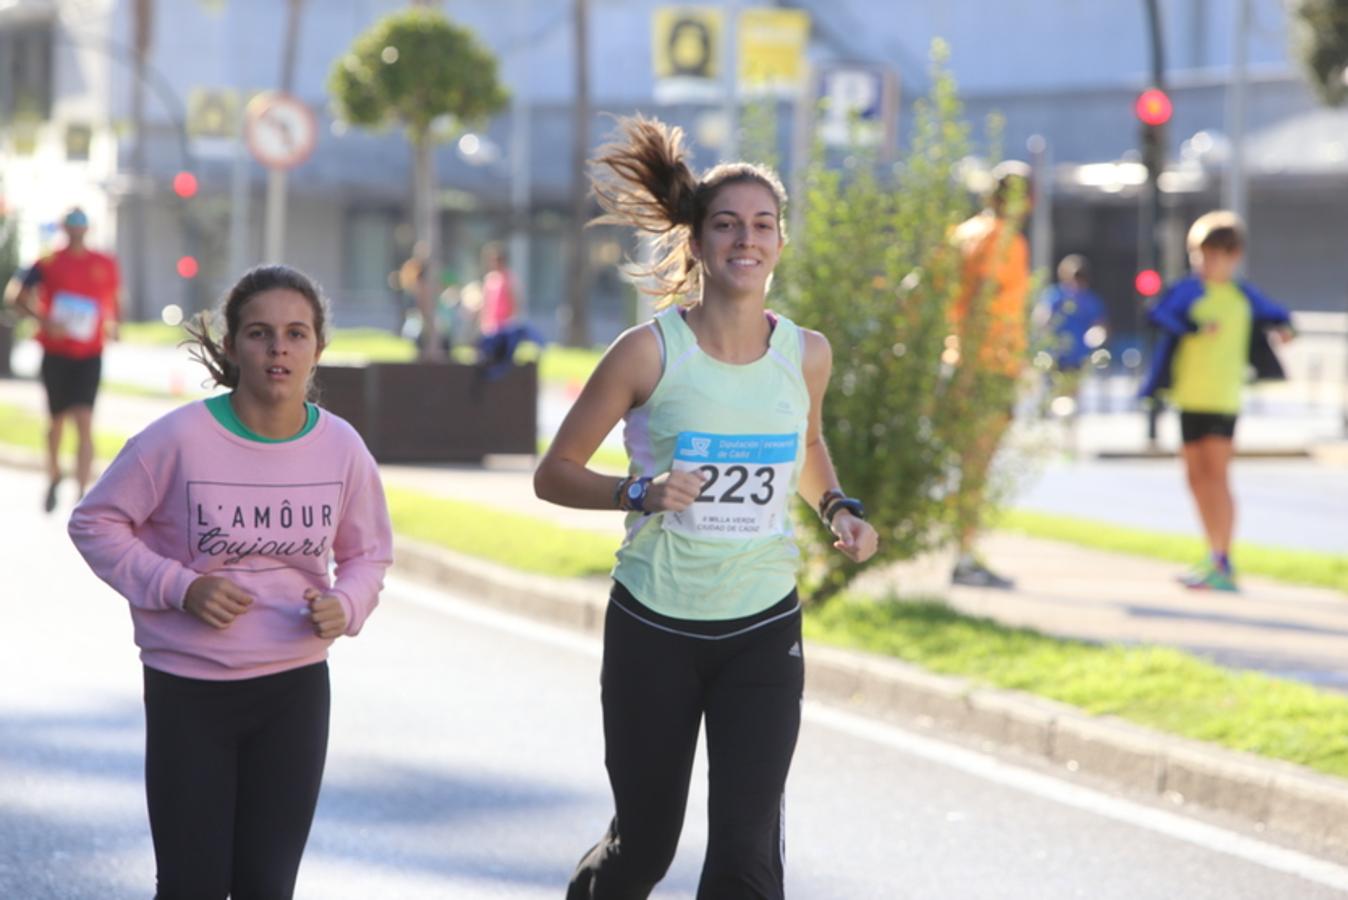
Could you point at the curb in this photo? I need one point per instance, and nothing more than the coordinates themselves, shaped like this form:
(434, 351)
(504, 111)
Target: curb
(1266, 794)
(1251, 453)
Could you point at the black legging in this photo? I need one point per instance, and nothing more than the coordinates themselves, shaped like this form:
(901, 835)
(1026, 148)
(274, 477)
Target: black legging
(657, 686)
(232, 772)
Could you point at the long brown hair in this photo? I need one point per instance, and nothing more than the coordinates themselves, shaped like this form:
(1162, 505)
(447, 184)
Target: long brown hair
(643, 180)
(212, 353)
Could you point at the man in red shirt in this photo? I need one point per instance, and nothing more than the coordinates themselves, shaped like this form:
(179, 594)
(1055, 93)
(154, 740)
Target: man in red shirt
(73, 293)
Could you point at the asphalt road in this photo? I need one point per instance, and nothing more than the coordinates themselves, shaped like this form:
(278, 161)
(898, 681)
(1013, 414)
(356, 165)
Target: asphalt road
(466, 763)
(1295, 504)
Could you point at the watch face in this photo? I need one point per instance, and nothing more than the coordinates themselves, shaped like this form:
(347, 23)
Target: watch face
(636, 490)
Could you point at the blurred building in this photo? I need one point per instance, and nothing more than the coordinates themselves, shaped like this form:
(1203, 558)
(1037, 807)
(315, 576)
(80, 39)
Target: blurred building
(1065, 70)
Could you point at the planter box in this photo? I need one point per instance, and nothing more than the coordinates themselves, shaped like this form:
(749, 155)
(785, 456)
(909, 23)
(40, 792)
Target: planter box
(435, 412)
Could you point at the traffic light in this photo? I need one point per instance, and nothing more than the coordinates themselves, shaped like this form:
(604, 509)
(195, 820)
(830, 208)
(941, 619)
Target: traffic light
(1148, 283)
(185, 185)
(188, 267)
(1153, 107)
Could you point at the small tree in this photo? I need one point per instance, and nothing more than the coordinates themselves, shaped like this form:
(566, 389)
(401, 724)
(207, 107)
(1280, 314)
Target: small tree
(872, 267)
(417, 69)
(1320, 29)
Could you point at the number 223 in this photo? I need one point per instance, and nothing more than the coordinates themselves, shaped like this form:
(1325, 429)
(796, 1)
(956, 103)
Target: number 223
(737, 476)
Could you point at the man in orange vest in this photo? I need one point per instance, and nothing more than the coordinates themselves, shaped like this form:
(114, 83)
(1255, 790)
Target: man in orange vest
(990, 312)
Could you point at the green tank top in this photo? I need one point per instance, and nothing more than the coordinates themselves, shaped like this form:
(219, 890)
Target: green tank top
(733, 553)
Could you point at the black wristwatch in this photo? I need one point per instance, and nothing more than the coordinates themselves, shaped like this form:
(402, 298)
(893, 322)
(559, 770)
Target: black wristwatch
(634, 494)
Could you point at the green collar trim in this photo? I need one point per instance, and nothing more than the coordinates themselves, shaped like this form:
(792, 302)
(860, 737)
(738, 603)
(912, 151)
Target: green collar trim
(223, 411)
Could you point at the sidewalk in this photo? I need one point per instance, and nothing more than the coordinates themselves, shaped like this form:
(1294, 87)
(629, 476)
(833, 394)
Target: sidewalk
(1061, 590)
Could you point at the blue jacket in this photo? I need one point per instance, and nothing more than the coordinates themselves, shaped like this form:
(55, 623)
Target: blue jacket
(1171, 315)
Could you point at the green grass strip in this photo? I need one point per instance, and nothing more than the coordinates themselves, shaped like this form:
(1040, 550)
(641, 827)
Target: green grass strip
(21, 428)
(1306, 567)
(1152, 686)
(567, 366)
(520, 542)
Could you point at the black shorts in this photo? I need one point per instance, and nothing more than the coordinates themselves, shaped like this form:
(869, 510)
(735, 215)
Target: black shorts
(70, 382)
(1194, 426)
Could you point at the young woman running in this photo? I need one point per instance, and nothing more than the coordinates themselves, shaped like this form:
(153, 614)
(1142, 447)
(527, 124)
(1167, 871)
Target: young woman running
(721, 403)
(218, 523)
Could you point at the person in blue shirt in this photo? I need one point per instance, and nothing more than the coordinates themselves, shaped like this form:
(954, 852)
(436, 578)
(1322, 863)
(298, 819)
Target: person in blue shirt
(1069, 310)
(1071, 318)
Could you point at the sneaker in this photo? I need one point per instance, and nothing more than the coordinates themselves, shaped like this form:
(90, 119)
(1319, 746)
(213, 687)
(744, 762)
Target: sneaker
(49, 503)
(1210, 578)
(975, 574)
(1194, 577)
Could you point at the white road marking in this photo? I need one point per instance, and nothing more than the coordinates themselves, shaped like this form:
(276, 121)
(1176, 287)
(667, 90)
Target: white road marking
(980, 765)
(990, 768)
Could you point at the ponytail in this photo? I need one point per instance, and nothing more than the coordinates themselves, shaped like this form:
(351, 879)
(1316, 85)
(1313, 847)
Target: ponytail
(643, 180)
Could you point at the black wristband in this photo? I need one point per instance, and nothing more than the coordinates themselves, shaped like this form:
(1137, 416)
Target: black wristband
(851, 504)
(829, 497)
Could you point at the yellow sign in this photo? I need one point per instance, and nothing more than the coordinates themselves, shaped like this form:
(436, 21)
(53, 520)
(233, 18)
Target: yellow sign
(23, 136)
(686, 42)
(79, 137)
(213, 112)
(771, 48)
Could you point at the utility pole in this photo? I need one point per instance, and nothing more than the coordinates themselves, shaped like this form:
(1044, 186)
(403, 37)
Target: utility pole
(520, 157)
(276, 177)
(1154, 112)
(730, 59)
(1234, 193)
(143, 29)
(577, 282)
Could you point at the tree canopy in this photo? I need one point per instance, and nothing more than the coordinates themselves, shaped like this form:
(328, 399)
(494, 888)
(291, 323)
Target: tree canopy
(411, 68)
(1321, 33)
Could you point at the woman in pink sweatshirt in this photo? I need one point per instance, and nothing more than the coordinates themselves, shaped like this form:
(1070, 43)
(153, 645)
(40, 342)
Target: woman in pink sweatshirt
(220, 523)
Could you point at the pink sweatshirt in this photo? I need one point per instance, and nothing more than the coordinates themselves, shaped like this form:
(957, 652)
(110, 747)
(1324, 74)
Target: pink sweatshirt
(187, 497)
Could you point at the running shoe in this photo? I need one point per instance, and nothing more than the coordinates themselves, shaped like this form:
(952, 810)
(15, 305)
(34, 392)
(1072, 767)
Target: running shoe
(49, 503)
(1194, 577)
(1210, 578)
(975, 574)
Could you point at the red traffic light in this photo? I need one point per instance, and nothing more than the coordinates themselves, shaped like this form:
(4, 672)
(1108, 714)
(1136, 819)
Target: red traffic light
(187, 267)
(185, 184)
(1148, 282)
(1153, 107)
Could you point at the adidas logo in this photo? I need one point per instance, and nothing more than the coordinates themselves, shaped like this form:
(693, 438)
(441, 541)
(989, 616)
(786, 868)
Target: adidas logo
(795, 649)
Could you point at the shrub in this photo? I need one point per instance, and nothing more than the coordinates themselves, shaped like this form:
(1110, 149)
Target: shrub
(873, 268)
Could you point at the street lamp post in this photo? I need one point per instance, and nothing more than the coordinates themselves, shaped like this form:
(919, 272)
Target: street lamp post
(1153, 111)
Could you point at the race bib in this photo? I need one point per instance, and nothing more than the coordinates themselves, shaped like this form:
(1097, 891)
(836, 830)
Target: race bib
(748, 481)
(77, 314)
